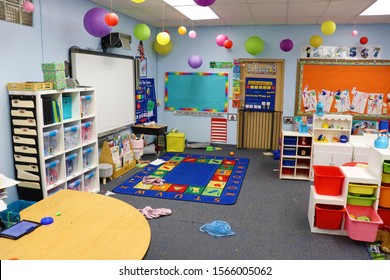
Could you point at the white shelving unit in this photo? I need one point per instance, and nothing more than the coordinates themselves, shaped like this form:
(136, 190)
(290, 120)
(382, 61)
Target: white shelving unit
(295, 155)
(54, 151)
(330, 151)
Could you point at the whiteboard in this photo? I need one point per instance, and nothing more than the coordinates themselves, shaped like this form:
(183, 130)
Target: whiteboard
(113, 76)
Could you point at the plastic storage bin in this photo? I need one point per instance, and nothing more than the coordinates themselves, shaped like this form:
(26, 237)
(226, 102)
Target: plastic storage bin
(288, 162)
(71, 164)
(86, 105)
(175, 142)
(67, 107)
(329, 216)
(87, 157)
(138, 146)
(290, 140)
(362, 230)
(50, 142)
(361, 189)
(86, 131)
(12, 213)
(386, 178)
(328, 180)
(71, 137)
(52, 172)
(360, 200)
(386, 166)
(384, 213)
(89, 179)
(384, 196)
(289, 151)
(75, 185)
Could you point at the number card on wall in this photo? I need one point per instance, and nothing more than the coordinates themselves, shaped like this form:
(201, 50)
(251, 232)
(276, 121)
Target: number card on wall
(347, 52)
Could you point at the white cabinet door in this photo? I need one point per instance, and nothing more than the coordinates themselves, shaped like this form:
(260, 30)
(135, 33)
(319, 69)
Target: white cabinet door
(341, 158)
(322, 158)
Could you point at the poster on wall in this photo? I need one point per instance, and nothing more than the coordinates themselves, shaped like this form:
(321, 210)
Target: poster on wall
(145, 102)
(342, 52)
(260, 94)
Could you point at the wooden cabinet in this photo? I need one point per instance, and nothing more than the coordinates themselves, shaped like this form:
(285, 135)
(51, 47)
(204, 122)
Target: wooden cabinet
(55, 141)
(295, 155)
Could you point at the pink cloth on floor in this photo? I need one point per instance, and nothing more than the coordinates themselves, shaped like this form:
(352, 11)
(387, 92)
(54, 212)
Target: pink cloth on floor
(151, 213)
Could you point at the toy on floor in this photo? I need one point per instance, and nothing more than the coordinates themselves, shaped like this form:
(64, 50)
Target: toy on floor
(383, 237)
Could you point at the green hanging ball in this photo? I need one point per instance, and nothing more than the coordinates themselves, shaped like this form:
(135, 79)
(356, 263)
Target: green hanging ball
(254, 45)
(163, 49)
(141, 31)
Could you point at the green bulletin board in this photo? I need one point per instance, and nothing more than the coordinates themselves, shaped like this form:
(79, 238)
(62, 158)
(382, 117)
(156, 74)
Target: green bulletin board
(200, 91)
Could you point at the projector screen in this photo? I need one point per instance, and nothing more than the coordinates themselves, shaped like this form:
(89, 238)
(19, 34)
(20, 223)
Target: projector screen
(113, 76)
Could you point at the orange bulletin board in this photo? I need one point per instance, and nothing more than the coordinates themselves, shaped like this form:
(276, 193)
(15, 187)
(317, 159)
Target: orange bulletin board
(357, 87)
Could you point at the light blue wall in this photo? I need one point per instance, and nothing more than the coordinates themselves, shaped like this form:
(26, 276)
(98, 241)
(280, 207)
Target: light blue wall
(198, 128)
(58, 25)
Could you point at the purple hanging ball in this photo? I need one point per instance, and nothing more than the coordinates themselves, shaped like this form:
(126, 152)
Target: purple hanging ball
(195, 61)
(204, 3)
(286, 45)
(95, 24)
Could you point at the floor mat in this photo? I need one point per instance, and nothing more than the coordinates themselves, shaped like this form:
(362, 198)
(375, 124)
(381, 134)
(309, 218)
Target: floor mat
(197, 178)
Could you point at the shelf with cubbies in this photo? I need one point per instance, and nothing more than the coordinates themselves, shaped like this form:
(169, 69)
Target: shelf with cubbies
(55, 141)
(347, 200)
(295, 156)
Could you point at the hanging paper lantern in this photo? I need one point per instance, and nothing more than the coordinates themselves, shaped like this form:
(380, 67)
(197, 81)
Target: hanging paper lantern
(195, 61)
(163, 38)
(363, 40)
(254, 45)
(162, 49)
(182, 30)
(315, 41)
(228, 44)
(354, 32)
(328, 27)
(28, 7)
(95, 24)
(141, 31)
(111, 19)
(286, 45)
(204, 3)
(192, 34)
(220, 39)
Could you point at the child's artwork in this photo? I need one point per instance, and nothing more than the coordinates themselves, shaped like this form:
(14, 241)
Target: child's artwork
(298, 121)
(375, 102)
(359, 101)
(326, 97)
(359, 127)
(309, 100)
(343, 102)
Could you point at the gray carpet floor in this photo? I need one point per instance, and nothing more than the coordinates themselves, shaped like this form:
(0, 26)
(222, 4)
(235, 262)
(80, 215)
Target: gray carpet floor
(269, 219)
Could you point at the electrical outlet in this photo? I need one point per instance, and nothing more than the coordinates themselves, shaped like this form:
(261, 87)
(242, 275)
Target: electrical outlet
(288, 120)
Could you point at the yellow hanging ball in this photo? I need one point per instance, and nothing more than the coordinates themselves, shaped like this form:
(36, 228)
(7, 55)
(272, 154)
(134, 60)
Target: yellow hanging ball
(182, 30)
(163, 38)
(315, 41)
(328, 27)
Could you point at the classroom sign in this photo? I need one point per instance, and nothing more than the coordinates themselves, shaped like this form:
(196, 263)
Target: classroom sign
(145, 102)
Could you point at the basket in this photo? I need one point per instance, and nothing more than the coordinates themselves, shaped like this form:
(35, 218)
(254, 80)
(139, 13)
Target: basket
(328, 180)
(11, 215)
(33, 86)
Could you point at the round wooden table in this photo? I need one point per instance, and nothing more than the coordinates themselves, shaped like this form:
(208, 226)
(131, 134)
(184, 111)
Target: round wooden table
(87, 226)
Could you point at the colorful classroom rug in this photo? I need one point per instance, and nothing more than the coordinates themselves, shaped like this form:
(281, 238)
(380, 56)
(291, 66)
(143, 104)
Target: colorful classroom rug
(197, 178)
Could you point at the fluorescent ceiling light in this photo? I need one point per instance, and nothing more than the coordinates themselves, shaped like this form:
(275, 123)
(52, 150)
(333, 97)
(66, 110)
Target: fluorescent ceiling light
(191, 10)
(380, 7)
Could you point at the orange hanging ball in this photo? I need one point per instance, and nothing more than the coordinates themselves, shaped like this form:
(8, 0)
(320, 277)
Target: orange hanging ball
(111, 19)
(231, 153)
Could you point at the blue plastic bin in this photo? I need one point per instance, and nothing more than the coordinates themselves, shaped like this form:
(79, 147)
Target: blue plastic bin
(11, 214)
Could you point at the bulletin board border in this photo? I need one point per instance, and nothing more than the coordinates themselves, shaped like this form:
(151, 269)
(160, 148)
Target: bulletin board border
(300, 86)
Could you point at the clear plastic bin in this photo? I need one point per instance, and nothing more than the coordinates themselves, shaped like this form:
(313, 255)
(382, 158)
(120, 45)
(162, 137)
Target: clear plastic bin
(86, 131)
(88, 181)
(52, 172)
(50, 142)
(86, 105)
(71, 164)
(87, 157)
(71, 137)
(75, 185)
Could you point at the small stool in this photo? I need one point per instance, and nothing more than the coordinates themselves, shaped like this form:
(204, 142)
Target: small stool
(105, 171)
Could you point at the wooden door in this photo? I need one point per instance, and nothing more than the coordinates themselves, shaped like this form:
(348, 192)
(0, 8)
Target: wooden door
(260, 127)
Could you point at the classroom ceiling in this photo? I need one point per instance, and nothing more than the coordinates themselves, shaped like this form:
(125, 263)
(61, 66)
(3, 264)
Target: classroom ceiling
(251, 12)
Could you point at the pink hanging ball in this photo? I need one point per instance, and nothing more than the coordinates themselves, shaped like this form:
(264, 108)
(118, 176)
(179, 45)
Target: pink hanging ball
(354, 32)
(28, 7)
(192, 34)
(220, 40)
